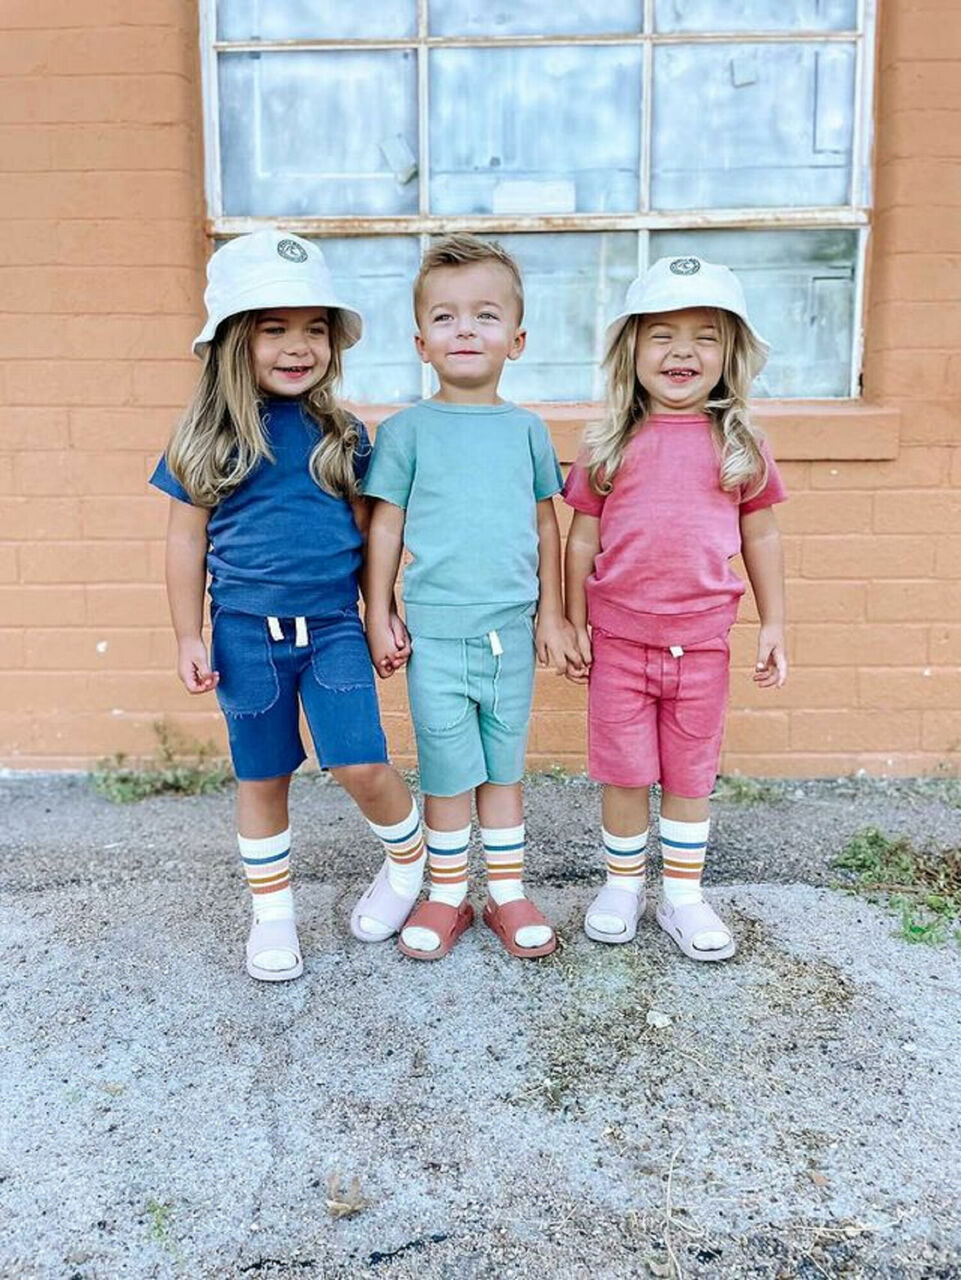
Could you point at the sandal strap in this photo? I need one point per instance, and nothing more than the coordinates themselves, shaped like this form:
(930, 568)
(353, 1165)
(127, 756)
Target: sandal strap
(440, 917)
(273, 935)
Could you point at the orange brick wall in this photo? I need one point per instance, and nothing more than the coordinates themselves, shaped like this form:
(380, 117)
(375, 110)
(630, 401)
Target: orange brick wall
(101, 262)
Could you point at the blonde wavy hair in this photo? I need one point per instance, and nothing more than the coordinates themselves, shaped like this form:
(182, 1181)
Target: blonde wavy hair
(221, 438)
(738, 442)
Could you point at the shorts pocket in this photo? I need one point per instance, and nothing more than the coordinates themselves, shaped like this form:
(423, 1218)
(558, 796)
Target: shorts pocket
(617, 688)
(339, 657)
(240, 652)
(437, 684)
(703, 678)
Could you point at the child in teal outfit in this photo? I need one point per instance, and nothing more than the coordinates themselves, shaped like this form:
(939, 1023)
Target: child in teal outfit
(467, 480)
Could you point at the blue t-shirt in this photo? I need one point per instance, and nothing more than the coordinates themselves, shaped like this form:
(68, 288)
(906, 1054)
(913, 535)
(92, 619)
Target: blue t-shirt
(469, 478)
(278, 544)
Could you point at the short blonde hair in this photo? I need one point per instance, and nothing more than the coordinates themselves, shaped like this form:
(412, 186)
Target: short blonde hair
(463, 250)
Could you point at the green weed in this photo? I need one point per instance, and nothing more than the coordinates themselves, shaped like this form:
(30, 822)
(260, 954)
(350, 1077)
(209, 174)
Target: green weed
(180, 766)
(159, 1214)
(735, 789)
(922, 885)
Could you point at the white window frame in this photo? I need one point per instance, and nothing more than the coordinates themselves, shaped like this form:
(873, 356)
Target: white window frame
(856, 214)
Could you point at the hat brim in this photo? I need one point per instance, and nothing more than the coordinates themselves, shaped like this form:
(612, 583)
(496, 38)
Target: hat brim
(282, 294)
(655, 303)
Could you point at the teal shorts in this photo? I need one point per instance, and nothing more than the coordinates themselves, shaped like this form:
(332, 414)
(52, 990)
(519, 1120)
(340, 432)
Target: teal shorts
(471, 708)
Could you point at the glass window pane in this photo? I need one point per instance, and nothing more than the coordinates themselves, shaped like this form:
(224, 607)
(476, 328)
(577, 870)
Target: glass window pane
(317, 134)
(509, 132)
(755, 15)
(375, 275)
(534, 17)
(573, 283)
(774, 125)
(800, 296)
(314, 19)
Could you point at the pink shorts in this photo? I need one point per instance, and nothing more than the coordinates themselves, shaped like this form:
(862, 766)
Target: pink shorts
(652, 716)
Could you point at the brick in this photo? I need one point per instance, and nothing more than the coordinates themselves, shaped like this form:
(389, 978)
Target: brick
(852, 644)
(35, 14)
(83, 562)
(890, 689)
(898, 373)
(944, 644)
(924, 133)
(907, 326)
(756, 731)
(8, 481)
(912, 37)
(43, 428)
(941, 731)
(140, 99)
(956, 460)
(826, 513)
(112, 472)
(46, 473)
(867, 731)
(556, 693)
(925, 512)
(931, 425)
(143, 430)
(162, 242)
(947, 560)
(164, 383)
(805, 687)
(553, 731)
(132, 290)
(913, 469)
(11, 648)
(915, 229)
(919, 85)
(132, 195)
(126, 50)
(9, 570)
(67, 382)
(85, 648)
(796, 475)
(120, 516)
(795, 765)
(917, 277)
(30, 606)
(827, 601)
(909, 180)
(863, 556)
(122, 606)
(135, 691)
(913, 601)
(28, 518)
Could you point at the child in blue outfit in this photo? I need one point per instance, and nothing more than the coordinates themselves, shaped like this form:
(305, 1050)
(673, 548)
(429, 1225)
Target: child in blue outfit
(264, 474)
(467, 480)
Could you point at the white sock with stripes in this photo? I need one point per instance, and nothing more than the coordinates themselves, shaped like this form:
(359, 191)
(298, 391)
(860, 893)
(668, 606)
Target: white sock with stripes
(625, 858)
(404, 846)
(504, 859)
(267, 868)
(447, 861)
(683, 848)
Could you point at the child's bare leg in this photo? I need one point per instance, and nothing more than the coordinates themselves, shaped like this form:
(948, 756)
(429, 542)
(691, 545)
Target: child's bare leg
(625, 817)
(447, 823)
(684, 831)
(383, 798)
(263, 834)
(500, 811)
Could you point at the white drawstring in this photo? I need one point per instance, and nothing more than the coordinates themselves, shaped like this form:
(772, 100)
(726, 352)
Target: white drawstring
(495, 642)
(300, 633)
(275, 629)
(677, 651)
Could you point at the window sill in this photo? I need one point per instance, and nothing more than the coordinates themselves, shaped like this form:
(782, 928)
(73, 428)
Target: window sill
(799, 430)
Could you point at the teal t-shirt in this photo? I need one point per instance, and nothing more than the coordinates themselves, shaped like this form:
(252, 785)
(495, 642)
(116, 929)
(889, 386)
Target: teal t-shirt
(469, 478)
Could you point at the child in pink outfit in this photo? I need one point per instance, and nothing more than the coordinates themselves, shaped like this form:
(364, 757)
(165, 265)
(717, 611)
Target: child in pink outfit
(670, 486)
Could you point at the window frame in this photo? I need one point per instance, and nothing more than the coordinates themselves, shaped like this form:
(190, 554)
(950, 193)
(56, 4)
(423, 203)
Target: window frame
(855, 214)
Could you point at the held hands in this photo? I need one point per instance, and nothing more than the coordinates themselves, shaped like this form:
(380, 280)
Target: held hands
(193, 666)
(555, 642)
(389, 643)
(579, 665)
(770, 670)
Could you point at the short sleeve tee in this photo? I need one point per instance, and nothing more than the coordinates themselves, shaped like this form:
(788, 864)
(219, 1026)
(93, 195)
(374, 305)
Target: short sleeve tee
(469, 478)
(668, 533)
(278, 544)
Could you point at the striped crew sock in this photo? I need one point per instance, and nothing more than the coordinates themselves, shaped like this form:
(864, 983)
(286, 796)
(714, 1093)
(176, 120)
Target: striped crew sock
(447, 864)
(267, 868)
(404, 846)
(504, 860)
(625, 859)
(683, 847)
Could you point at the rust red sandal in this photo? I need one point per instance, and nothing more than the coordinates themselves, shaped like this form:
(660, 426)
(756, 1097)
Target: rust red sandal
(441, 918)
(505, 921)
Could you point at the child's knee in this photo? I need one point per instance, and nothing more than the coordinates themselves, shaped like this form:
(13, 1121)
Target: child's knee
(364, 782)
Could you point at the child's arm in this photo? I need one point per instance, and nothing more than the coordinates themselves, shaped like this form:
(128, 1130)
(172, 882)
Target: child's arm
(387, 636)
(554, 636)
(763, 558)
(186, 565)
(361, 508)
(583, 544)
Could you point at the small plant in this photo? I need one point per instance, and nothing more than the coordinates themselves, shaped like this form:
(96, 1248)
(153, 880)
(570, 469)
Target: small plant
(159, 1214)
(923, 886)
(179, 767)
(735, 789)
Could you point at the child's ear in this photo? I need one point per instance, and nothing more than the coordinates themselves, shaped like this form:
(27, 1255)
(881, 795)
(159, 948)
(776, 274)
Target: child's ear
(421, 349)
(520, 341)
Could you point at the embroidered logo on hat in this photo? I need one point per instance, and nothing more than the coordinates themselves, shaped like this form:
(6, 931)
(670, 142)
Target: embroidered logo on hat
(292, 251)
(686, 266)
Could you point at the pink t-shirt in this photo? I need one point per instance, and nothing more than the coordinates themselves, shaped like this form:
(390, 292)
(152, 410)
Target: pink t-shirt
(668, 532)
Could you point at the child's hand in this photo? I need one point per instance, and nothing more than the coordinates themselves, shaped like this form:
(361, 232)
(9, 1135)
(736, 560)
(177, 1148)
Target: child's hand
(579, 663)
(401, 639)
(388, 651)
(193, 667)
(770, 670)
(555, 643)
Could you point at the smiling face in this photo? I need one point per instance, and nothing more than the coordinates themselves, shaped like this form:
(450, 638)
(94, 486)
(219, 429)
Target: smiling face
(679, 358)
(468, 325)
(290, 349)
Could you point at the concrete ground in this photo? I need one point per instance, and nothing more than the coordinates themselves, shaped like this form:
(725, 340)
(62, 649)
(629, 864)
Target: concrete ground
(608, 1112)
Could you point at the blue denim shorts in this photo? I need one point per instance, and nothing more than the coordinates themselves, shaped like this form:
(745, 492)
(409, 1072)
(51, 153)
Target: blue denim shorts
(471, 708)
(264, 681)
